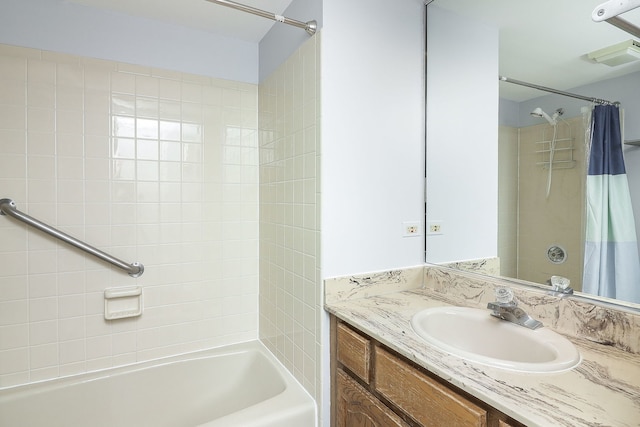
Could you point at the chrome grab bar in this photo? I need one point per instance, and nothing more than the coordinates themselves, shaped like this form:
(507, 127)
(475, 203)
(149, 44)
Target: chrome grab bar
(8, 207)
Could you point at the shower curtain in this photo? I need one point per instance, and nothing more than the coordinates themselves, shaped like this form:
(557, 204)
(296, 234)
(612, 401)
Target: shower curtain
(611, 263)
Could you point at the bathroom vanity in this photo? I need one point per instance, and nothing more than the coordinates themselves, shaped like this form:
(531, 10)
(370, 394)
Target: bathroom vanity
(385, 374)
(374, 385)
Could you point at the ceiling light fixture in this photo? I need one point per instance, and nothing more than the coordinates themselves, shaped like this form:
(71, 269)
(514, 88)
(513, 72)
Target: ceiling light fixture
(618, 54)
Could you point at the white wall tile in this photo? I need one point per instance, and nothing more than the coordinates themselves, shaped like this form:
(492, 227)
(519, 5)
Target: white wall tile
(41, 356)
(289, 232)
(72, 328)
(14, 360)
(41, 309)
(14, 336)
(114, 154)
(40, 119)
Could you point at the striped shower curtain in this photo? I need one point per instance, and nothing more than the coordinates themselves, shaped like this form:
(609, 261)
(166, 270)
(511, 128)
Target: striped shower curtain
(611, 263)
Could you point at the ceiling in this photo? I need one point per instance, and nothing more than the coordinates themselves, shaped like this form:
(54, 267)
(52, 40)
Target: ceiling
(200, 15)
(545, 42)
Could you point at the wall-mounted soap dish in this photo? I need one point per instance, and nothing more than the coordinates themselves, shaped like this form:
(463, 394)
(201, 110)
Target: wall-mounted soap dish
(122, 302)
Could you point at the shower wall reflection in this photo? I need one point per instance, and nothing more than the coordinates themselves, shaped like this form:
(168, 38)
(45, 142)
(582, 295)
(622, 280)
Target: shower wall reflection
(530, 223)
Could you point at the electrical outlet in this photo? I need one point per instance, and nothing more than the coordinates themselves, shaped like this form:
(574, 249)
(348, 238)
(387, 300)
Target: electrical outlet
(410, 229)
(434, 228)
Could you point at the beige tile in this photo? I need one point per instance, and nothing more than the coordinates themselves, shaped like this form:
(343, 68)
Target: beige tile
(147, 86)
(69, 121)
(20, 52)
(96, 124)
(169, 89)
(13, 68)
(123, 83)
(41, 167)
(97, 75)
(13, 92)
(86, 173)
(42, 356)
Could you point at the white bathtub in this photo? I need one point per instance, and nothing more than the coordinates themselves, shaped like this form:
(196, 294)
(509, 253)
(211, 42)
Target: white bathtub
(239, 385)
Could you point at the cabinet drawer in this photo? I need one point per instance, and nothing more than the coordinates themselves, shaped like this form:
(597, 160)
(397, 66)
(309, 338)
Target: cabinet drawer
(353, 351)
(426, 400)
(359, 408)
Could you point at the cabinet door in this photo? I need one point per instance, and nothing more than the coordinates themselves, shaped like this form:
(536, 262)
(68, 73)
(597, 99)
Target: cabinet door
(358, 408)
(423, 399)
(353, 351)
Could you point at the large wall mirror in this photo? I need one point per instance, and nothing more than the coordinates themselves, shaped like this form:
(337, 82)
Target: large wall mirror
(496, 202)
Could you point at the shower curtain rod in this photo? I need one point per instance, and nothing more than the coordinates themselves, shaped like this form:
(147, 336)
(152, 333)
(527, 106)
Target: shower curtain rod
(310, 27)
(556, 91)
(624, 25)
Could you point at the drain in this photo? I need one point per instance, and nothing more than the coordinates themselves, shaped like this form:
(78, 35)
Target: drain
(556, 254)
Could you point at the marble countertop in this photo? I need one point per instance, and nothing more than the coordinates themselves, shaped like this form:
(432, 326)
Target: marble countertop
(604, 390)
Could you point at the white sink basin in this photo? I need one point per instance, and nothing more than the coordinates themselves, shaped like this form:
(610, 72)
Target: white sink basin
(475, 335)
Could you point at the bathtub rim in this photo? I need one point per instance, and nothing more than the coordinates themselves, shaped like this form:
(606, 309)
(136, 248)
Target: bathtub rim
(223, 350)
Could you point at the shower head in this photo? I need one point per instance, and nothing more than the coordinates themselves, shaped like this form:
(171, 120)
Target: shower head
(537, 112)
(557, 113)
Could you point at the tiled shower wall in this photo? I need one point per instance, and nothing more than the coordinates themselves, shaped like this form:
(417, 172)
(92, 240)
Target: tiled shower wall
(557, 219)
(508, 200)
(148, 165)
(530, 221)
(290, 285)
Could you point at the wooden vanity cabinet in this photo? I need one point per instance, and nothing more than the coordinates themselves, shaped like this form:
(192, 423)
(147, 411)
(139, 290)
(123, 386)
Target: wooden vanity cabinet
(354, 351)
(356, 407)
(424, 399)
(372, 386)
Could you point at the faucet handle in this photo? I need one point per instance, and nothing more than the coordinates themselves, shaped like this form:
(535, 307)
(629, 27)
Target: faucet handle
(504, 295)
(560, 283)
(560, 286)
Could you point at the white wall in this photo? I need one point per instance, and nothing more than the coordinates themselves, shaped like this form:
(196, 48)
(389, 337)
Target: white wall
(372, 159)
(462, 135)
(61, 26)
(508, 115)
(372, 134)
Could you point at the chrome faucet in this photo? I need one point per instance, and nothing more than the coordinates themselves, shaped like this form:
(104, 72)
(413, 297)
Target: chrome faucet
(506, 308)
(560, 286)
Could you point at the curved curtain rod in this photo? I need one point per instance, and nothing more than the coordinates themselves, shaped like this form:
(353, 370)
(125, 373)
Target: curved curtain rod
(556, 91)
(310, 27)
(8, 207)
